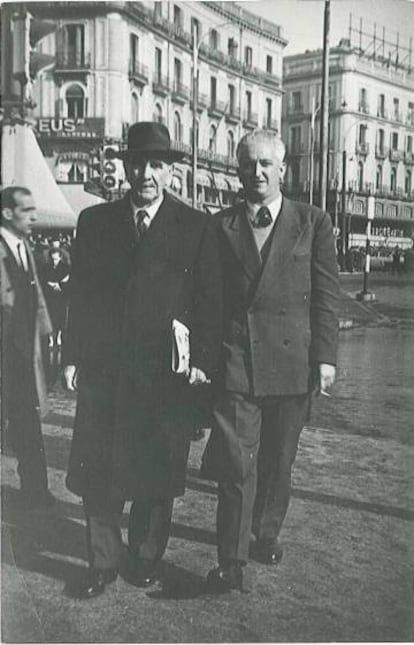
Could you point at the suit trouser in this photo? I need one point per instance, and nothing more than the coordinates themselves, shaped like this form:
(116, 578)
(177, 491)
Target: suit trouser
(261, 437)
(148, 530)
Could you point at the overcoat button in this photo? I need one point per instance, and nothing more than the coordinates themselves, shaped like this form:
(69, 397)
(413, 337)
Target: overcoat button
(286, 342)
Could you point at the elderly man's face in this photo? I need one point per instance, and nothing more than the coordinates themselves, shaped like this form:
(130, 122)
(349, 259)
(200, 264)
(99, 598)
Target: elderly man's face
(148, 178)
(261, 170)
(22, 216)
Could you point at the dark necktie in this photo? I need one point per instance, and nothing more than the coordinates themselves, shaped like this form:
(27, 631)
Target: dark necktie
(20, 254)
(142, 222)
(263, 218)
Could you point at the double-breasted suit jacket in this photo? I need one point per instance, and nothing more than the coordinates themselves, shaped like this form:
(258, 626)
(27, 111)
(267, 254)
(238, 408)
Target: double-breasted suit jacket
(24, 321)
(279, 316)
(133, 423)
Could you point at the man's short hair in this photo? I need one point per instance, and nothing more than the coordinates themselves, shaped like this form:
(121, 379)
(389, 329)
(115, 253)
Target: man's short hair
(7, 195)
(262, 135)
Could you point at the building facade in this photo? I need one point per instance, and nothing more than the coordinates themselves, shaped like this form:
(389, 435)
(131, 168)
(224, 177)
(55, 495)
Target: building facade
(371, 132)
(121, 62)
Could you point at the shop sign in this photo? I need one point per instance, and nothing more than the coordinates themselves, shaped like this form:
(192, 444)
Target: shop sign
(51, 127)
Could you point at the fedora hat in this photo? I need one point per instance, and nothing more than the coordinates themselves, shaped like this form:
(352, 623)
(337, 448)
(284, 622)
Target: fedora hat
(150, 139)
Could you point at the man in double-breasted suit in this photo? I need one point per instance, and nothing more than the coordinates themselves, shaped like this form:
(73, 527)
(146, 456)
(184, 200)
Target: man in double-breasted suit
(25, 323)
(280, 339)
(138, 264)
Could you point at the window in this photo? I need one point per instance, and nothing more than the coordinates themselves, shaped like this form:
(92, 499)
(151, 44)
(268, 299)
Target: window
(409, 143)
(75, 102)
(213, 90)
(269, 113)
(214, 39)
(232, 47)
(232, 99)
(212, 139)
(158, 113)
(380, 141)
(177, 73)
(363, 105)
(77, 173)
(410, 114)
(407, 186)
(177, 127)
(178, 17)
(230, 144)
(248, 56)
(297, 101)
(74, 45)
(196, 26)
(269, 64)
(295, 139)
(396, 109)
(134, 51)
(134, 108)
(360, 176)
(158, 65)
(362, 134)
(381, 105)
(394, 140)
(393, 183)
(248, 104)
(378, 182)
(158, 9)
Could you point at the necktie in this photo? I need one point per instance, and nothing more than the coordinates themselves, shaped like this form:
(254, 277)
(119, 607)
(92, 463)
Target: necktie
(23, 264)
(263, 218)
(142, 222)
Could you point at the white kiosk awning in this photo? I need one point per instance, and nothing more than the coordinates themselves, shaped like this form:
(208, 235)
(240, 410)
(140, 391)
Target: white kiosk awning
(23, 164)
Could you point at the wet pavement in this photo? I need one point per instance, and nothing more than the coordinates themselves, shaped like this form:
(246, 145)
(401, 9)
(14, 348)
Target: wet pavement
(348, 568)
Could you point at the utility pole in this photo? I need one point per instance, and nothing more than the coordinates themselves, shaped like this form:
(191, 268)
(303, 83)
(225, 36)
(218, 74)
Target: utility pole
(323, 183)
(343, 210)
(195, 107)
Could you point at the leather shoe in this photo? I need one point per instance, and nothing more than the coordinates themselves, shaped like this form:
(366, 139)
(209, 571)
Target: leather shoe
(143, 573)
(267, 551)
(225, 578)
(94, 582)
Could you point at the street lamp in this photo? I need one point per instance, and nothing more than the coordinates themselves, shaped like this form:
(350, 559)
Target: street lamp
(314, 112)
(366, 295)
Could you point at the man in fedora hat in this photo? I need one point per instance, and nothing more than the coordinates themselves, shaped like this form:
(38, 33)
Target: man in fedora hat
(140, 264)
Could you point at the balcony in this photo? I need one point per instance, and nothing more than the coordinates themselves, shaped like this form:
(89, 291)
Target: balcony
(138, 73)
(409, 158)
(296, 110)
(180, 93)
(72, 62)
(396, 155)
(202, 102)
(297, 148)
(181, 147)
(363, 107)
(161, 85)
(271, 124)
(362, 148)
(397, 116)
(380, 152)
(233, 115)
(215, 159)
(216, 108)
(250, 120)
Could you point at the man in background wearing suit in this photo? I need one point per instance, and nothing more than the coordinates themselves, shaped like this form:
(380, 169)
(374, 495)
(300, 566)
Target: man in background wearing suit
(280, 340)
(138, 265)
(24, 321)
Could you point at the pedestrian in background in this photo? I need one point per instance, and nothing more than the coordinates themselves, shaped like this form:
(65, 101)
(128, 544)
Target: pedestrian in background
(139, 265)
(280, 341)
(24, 322)
(55, 278)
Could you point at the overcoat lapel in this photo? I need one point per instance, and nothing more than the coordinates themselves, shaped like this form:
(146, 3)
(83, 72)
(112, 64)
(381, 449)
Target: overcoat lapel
(287, 234)
(241, 238)
(165, 234)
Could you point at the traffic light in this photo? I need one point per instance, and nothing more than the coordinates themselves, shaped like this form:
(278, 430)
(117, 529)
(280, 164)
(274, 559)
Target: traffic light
(112, 168)
(27, 31)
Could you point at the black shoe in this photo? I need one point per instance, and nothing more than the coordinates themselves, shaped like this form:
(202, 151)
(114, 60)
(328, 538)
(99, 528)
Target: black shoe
(143, 573)
(225, 578)
(267, 551)
(93, 583)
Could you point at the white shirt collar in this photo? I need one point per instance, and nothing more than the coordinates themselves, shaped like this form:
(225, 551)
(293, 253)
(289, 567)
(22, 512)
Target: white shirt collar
(152, 209)
(274, 208)
(13, 241)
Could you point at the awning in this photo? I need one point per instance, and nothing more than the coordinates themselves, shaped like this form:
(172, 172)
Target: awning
(22, 164)
(203, 178)
(220, 181)
(78, 198)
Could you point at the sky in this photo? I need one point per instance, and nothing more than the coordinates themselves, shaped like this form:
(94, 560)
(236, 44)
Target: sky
(302, 20)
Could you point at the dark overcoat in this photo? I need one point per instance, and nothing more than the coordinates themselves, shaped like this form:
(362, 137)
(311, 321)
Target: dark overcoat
(280, 316)
(134, 416)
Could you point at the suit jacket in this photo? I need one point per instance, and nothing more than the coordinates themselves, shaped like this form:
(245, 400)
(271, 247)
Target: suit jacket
(15, 330)
(124, 294)
(280, 317)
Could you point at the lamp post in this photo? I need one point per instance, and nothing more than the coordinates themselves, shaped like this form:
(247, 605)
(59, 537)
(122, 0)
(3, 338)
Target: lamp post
(314, 112)
(366, 295)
